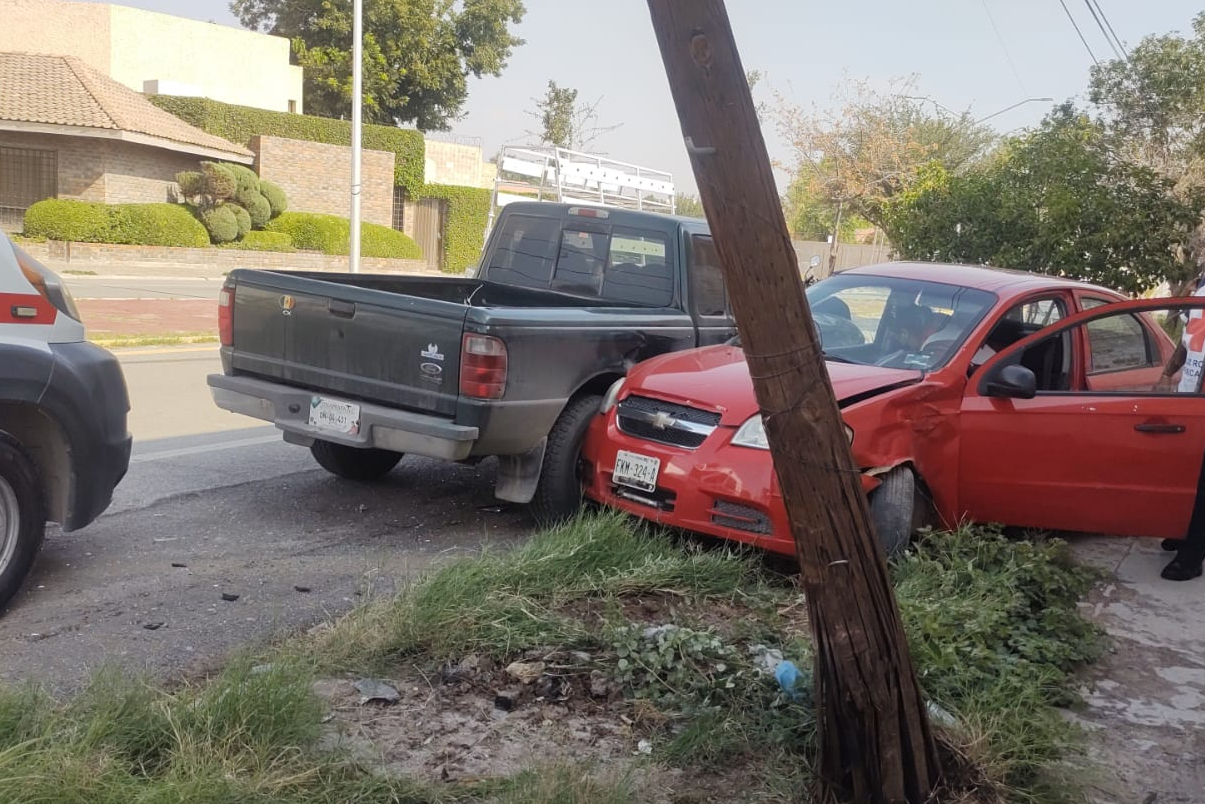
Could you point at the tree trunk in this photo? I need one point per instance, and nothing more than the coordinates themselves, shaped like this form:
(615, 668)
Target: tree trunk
(876, 745)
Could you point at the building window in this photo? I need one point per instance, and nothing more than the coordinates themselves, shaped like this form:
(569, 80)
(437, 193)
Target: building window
(399, 208)
(27, 175)
(293, 107)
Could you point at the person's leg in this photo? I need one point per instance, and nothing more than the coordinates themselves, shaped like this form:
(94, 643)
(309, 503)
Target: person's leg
(1191, 550)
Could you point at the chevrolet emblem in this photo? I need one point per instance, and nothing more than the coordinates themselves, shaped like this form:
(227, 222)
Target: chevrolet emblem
(663, 420)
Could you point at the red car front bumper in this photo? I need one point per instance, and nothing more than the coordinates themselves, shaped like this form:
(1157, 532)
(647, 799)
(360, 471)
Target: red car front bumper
(718, 489)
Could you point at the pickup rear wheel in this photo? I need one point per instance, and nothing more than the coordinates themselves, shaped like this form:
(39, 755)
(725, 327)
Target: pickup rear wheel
(559, 494)
(353, 463)
(22, 516)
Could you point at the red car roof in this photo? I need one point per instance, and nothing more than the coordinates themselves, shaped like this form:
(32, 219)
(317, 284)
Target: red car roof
(981, 277)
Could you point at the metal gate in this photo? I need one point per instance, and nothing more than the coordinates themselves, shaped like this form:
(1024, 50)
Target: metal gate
(27, 176)
(429, 214)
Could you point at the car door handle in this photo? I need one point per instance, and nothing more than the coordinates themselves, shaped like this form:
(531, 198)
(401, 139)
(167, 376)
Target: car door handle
(1151, 427)
(341, 309)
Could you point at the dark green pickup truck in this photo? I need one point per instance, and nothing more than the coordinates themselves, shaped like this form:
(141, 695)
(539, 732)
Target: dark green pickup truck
(510, 362)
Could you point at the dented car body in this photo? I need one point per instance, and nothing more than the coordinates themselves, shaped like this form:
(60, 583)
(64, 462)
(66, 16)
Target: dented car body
(974, 394)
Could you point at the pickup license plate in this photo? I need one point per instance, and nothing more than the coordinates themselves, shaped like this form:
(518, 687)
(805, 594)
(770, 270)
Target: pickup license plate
(338, 417)
(636, 471)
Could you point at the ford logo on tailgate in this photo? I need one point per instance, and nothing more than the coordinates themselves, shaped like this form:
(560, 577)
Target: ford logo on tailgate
(431, 369)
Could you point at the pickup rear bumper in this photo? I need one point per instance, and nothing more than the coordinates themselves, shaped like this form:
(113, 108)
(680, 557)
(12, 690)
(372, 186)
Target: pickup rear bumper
(380, 427)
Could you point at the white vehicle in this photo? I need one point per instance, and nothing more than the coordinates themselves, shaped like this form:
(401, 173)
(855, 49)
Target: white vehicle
(63, 404)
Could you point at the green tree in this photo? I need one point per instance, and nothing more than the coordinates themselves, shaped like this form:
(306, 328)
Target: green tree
(1056, 201)
(871, 146)
(566, 123)
(418, 54)
(689, 206)
(1154, 103)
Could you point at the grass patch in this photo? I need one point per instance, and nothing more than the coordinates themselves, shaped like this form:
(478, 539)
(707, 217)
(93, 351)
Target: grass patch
(173, 339)
(680, 635)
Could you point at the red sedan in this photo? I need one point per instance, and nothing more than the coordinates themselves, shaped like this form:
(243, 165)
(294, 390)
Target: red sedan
(967, 393)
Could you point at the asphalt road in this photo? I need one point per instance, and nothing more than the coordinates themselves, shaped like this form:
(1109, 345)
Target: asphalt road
(214, 504)
(142, 287)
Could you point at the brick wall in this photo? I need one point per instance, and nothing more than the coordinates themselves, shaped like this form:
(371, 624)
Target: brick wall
(317, 177)
(110, 171)
(140, 174)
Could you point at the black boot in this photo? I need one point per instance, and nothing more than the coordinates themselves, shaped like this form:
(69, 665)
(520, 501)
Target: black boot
(1185, 566)
(1171, 545)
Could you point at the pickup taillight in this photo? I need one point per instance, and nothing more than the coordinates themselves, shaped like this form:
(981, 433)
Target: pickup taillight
(226, 316)
(482, 367)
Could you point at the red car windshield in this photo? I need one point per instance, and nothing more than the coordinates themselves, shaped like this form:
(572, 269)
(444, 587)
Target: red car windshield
(894, 322)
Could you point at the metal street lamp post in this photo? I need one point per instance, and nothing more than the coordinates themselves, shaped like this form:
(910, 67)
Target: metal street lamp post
(357, 129)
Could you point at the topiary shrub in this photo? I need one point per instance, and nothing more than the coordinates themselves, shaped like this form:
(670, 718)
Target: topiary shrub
(220, 183)
(192, 183)
(264, 241)
(242, 217)
(245, 176)
(276, 197)
(312, 232)
(155, 225)
(63, 219)
(221, 223)
(381, 241)
(256, 205)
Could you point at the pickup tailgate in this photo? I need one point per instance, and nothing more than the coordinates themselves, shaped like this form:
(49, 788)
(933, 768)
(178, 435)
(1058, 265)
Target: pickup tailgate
(392, 340)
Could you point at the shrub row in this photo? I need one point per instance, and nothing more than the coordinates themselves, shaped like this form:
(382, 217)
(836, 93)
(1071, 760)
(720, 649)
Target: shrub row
(124, 224)
(332, 235)
(464, 224)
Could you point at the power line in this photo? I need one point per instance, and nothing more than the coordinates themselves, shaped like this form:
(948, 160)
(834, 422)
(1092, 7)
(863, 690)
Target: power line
(1004, 47)
(1113, 33)
(1075, 25)
(1101, 25)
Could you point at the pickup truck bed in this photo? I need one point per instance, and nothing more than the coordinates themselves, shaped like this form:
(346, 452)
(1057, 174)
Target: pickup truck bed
(463, 368)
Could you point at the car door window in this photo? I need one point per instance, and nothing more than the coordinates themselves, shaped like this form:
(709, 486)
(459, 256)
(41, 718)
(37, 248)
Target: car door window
(1122, 353)
(707, 279)
(1118, 343)
(1019, 322)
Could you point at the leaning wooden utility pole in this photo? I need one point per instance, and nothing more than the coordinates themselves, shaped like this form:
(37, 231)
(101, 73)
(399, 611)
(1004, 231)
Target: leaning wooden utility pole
(876, 745)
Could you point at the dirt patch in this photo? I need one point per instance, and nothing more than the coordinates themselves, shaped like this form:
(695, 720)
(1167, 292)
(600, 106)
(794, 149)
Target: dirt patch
(475, 721)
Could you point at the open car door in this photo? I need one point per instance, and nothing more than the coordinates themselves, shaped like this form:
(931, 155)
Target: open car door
(1072, 429)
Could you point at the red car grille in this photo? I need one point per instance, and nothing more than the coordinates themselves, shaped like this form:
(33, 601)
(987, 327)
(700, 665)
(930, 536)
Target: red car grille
(740, 517)
(666, 422)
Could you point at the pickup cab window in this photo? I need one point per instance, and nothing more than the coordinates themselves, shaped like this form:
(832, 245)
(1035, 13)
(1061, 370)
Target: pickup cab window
(707, 278)
(526, 251)
(638, 269)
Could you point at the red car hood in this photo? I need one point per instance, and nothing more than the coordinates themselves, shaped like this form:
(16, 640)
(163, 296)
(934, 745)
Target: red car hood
(717, 378)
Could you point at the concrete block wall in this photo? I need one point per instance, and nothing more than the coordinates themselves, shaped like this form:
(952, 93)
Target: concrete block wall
(316, 177)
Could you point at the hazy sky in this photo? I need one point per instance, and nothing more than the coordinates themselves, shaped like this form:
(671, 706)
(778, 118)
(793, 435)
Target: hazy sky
(803, 47)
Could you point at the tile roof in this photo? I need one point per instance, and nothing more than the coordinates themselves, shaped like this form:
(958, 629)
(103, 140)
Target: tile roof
(63, 90)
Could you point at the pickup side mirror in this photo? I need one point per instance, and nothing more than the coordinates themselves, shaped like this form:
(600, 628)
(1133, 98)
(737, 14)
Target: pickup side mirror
(1011, 382)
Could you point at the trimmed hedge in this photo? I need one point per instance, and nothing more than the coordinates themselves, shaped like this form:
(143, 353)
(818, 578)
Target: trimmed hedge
(277, 200)
(331, 235)
(155, 225)
(381, 241)
(256, 240)
(221, 223)
(123, 224)
(63, 219)
(240, 123)
(464, 224)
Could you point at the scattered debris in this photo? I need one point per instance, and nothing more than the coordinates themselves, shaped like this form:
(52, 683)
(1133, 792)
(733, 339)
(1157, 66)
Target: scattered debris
(302, 589)
(179, 565)
(644, 747)
(229, 597)
(766, 659)
(152, 626)
(373, 689)
(525, 672)
(261, 668)
(507, 700)
(495, 508)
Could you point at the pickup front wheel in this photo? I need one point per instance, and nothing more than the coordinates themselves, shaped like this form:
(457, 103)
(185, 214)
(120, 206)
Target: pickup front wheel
(559, 494)
(352, 463)
(22, 516)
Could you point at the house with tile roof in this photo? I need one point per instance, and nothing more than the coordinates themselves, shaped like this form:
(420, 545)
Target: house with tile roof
(69, 131)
